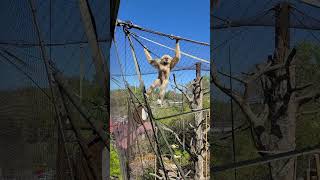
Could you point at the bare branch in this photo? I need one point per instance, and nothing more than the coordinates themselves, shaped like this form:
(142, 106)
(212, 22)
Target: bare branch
(309, 112)
(232, 77)
(264, 115)
(307, 98)
(290, 57)
(240, 100)
(171, 131)
(267, 68)
(158, 177)
(288, 67)
(184, 93)
(206, 92)
(302, 87)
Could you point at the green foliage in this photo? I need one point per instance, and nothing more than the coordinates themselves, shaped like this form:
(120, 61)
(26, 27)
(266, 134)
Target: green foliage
(185, 157)
(245, 149)
(308, 63)
(115, 170)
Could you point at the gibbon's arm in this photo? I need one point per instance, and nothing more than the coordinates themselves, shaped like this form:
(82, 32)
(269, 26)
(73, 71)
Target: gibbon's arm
(177, 56)
(154, 63)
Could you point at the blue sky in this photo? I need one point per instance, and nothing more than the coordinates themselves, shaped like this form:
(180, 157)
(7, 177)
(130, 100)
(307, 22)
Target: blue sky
(180, 18)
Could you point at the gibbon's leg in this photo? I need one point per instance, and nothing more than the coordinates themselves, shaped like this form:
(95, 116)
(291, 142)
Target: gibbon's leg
(163, 88)
(154, 85)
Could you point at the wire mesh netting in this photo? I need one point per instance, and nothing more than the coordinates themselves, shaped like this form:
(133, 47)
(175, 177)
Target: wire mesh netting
(30, 140)
(243, 34)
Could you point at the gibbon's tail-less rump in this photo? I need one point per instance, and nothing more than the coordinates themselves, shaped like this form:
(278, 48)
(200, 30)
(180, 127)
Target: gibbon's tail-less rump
(164, 65)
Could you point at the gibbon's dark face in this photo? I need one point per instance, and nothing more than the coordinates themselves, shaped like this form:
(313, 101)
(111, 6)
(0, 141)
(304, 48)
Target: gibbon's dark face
(165, 60)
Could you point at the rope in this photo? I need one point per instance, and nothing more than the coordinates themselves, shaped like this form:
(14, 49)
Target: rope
(130, 25)
(266, 159)
(176, 69)
(190, 112)
(186, 54)
(135, 37)
(28, 44)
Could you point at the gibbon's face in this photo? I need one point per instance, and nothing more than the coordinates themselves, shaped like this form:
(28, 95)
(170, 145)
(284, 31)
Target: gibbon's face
(165, 60)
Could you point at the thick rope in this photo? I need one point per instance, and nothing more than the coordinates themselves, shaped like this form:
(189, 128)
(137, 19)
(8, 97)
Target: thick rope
(186, 54)
(129, 25)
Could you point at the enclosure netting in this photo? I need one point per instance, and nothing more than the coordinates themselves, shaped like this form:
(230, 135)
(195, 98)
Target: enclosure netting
(133, 137)
(29, 136)
(246, 46)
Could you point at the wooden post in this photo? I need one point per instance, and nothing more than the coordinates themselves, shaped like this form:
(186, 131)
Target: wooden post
(197, 105)
(198, 71)
(282, 33)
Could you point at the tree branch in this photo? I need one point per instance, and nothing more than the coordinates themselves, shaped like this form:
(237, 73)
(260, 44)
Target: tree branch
(309, 112)
(290, 58)
(240, 100)
(307, 98)
(171, 131)
(206, 92)
(232, 77)
(289, 76)
(302, 87)
(184, 93)
(156, 176)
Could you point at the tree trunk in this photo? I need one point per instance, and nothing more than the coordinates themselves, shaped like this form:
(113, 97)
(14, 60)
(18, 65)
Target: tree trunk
(281, 141)
(278, 132)
(281, 100)
(199, 138)
(199, 169)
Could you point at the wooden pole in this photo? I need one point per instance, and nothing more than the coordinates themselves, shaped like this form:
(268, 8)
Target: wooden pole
(198, 71)
(282, 32)
(196, 105)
